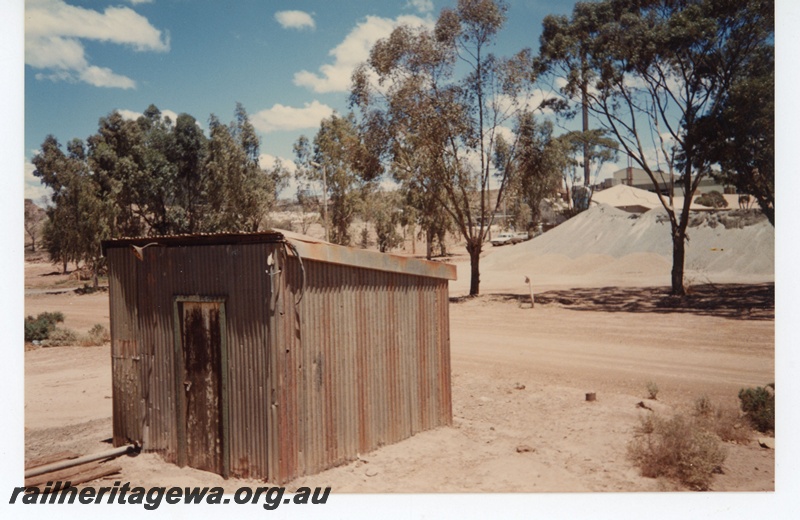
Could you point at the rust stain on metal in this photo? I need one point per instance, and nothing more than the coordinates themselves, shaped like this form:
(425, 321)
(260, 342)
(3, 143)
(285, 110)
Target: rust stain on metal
(201, 383)
(363, 360)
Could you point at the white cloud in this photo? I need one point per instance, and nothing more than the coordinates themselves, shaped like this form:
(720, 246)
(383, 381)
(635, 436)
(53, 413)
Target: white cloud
(295, 20)
(282, 117)
(422, 6)
(267, 162)
(506, 133)
(132, 115)
(354, 49)
(137, 2)
(53, 34)
(105, 77)
(34, 189)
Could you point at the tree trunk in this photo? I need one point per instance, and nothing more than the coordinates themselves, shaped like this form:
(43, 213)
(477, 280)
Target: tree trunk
(428, 244)
(678, 257)
(587, 174)
(474, 249)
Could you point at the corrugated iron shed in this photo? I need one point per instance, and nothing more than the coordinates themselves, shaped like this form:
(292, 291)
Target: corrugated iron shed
(271, 355)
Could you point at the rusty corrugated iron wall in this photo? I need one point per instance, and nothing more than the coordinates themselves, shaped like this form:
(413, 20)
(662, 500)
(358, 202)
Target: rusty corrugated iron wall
(321, 362)
(365, 362)
(126, 363)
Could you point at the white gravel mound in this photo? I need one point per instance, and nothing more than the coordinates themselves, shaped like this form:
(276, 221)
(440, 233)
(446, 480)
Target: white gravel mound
(607, 242)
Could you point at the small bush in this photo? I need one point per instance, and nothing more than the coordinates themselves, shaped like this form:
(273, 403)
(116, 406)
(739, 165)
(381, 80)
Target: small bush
(725, 423)
(98, 335)
(703, 407)
(60, 338)
(729, 426)
(677, 449)
(758, 404)
(712, 199)
(40, 328)
(652, 390)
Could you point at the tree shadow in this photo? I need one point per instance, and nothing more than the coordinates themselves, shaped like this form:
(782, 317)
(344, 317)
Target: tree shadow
(733, 301)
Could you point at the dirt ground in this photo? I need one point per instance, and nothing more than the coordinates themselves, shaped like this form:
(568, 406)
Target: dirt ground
(520, 376)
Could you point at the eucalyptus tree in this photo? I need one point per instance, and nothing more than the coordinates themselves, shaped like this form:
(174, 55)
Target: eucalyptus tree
(536, 171)
(188, 154)
(239, 192)
(34, 220)
(442, 99)
(586, 148)
(341, 164)
(79, 216)
(656, 69)
(422, 203)
(115, 158)
(155, 181)
(740, 135)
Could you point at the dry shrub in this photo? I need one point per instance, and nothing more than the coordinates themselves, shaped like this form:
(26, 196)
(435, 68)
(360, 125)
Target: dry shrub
(730, 426)
(678, 449)
(727, 423)
(652, 390)
(61, 337)
(97, 336)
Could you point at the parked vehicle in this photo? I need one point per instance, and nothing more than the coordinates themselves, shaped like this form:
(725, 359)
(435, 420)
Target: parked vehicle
(505, 238)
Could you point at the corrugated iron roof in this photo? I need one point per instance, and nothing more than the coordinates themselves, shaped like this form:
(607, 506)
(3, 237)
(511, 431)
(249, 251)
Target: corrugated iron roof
(307, 247)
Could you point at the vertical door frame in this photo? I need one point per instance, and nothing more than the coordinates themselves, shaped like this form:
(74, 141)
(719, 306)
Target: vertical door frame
(180, 401)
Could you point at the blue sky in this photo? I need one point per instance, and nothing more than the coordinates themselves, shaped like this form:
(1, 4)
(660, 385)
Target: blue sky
(288, 63)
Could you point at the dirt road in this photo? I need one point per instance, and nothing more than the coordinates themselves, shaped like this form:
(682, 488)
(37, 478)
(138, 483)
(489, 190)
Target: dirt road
(521, 421)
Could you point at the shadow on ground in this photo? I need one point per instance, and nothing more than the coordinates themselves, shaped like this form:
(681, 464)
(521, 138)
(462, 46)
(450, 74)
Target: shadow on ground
(734, 301)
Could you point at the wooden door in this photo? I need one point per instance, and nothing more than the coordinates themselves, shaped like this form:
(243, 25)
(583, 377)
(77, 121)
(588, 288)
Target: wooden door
(201, 384)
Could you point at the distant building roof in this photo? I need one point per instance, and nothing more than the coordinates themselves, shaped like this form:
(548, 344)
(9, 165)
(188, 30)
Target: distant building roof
(627, 198)
(637, 200)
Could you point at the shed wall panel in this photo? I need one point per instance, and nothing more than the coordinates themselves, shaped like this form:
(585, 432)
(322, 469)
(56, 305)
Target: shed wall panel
(366, 350)
(126, 361)
(236, 273)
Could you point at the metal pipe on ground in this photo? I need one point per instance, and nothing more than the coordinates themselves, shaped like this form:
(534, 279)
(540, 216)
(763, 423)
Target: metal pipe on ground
(64, 464)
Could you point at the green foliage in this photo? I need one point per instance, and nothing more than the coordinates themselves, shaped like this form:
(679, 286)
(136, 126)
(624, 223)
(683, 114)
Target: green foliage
(152, 176)
(541, 161)
(740, 133)
(342, 167)
(442, 101)
(758, 405)
(678, 449)
(40, 327)
(80, 216)
(712, 199)
(656, 72)
(386, 231)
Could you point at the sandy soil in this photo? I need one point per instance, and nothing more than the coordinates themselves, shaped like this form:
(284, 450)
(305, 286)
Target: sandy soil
(520, 375)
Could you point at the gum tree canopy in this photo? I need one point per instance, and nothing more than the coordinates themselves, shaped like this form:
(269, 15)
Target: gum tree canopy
(657, 72)
(441, 99)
